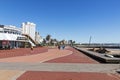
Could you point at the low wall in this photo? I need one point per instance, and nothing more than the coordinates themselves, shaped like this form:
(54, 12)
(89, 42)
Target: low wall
(98, 56)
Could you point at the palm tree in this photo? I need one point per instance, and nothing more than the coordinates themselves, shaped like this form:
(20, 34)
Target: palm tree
(73, 43)
(63, 41)
(70, 42)
(54, 42)
(44, 41)
(48, 39)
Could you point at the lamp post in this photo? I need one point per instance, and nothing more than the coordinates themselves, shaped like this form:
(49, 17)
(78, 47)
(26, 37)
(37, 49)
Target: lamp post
(90, 40)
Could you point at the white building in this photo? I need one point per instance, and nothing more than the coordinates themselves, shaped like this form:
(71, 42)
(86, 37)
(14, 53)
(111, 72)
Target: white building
(10, 36)
(38, 38)
(29, 29)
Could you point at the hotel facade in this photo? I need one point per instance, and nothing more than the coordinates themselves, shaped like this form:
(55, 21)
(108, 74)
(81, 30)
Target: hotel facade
(13, 37)
(29, 29)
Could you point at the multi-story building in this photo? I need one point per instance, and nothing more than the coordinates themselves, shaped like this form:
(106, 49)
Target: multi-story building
(38, 38)
(29, 29)
(11, 37)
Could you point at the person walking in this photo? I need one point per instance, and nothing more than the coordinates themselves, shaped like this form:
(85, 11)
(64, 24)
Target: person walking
(59, 47)
(63, 46)
(31, 48)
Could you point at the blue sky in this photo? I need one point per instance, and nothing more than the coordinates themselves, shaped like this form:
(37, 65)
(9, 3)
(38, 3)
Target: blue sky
(67, 19)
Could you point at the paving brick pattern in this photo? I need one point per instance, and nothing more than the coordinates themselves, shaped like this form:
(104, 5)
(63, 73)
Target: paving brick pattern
(37, 75)
(76, 57)
(21, 52)
(45, 56)
(10, 74)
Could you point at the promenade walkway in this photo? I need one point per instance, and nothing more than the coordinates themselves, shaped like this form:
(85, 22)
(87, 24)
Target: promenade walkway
(58, 71)
(42, 57)
(76, 57)
(21, 52)
(55, 64)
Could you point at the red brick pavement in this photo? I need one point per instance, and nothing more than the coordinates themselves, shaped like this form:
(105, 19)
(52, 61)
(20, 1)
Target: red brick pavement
(76, 57)
(41, 75)
(45, 56)
(21, 52)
